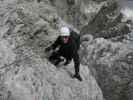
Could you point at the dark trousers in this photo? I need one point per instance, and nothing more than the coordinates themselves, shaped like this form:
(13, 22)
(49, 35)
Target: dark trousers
(55, 58)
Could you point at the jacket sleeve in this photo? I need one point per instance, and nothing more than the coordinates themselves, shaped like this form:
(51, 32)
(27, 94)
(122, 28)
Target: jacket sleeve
(56, 43)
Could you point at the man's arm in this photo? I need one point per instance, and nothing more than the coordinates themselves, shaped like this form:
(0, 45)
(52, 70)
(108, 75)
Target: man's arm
(54, 45)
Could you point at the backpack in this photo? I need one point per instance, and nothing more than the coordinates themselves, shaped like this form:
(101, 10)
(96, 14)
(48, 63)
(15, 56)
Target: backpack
(76, 38)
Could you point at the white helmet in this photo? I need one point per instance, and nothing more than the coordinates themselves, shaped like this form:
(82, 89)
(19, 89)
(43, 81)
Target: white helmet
(65, 31)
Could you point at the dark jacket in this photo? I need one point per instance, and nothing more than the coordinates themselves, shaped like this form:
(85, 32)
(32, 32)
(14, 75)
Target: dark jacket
(69, 50)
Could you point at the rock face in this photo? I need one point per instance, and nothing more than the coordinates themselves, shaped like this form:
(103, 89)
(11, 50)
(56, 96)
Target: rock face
(26, 28)
(110, 62)
(100, 18)
(107, 22)
(77, 12)
(112, 65)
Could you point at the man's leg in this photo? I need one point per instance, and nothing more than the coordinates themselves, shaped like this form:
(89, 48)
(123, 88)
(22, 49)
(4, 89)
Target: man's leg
(77, 68)
(55, 58)
(68, 60)
(77, 75)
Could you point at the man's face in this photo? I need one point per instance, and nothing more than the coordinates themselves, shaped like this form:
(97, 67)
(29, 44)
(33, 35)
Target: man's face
(65, 39)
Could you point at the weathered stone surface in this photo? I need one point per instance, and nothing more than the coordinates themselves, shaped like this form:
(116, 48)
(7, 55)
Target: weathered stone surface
(100, 18)
(78, 13)
(40, 80)
(107, 22)
(111, 64)
(27, 28)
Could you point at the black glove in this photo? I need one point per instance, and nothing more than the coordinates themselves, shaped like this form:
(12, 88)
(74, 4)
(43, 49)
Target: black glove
(47, 49)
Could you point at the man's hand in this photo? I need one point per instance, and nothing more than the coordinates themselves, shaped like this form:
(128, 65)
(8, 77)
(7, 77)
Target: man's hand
(47, 49)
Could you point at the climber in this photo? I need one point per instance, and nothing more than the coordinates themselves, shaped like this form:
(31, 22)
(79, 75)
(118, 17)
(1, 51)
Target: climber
(68, 44)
